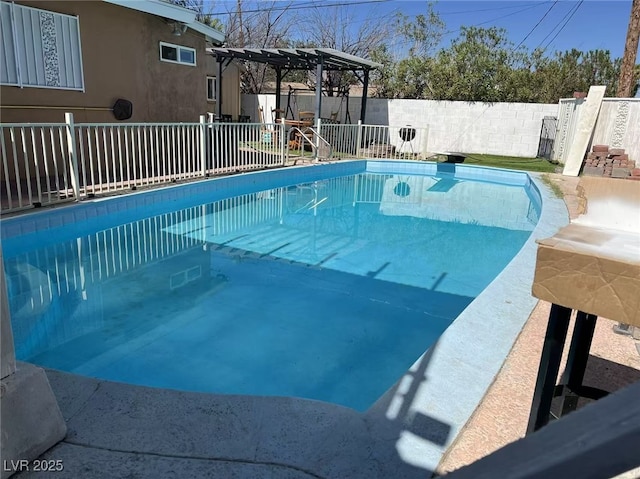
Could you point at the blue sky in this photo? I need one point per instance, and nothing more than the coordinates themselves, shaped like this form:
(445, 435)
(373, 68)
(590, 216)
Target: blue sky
(556, 25)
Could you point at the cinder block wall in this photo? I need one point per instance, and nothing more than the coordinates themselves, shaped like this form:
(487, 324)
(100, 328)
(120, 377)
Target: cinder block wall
(497, 128)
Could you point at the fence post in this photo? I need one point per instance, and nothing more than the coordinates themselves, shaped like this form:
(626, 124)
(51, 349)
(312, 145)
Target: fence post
(283, 140)
(316, 154)
(425, 143)
(203, 145)
(73, 156)
(358, 139)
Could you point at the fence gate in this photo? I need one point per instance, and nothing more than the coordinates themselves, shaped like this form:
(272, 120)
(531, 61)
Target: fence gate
(547, 137)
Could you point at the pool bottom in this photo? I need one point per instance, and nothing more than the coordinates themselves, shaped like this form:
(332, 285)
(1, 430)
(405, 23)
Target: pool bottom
(257, 330)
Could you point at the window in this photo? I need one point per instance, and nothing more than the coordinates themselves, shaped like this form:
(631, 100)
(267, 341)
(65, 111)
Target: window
(39, 48)
(177, 54)
(211, 88)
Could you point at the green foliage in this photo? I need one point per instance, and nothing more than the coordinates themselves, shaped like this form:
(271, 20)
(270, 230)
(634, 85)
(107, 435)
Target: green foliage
(481, 64)
(573, 70)
(477, 65)
(424, 32)
(203, 14)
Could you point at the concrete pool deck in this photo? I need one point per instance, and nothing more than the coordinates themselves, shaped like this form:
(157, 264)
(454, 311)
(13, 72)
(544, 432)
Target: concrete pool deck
(118, 430)
(502, 416)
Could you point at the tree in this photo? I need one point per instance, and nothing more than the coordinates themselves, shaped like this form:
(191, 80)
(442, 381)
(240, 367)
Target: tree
(423, 33)
(403, 74)
(478, 67)
(268, 26)
(336, 28)
(573, 70)
(407, 78)
(204, 14)
(626, 81)
(481, 64)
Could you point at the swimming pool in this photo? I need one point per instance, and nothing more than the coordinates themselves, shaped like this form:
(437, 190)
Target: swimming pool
(325, 282)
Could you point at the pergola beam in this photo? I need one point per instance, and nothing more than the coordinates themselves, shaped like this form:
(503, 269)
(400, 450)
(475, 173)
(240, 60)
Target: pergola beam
(310, 59)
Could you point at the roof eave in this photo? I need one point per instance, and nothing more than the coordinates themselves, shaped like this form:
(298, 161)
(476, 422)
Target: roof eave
(158, 8)
(172, 12)
(212, 35)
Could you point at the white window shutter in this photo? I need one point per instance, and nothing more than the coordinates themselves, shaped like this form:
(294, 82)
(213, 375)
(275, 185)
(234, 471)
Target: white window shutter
(46, 48)
(8, 66)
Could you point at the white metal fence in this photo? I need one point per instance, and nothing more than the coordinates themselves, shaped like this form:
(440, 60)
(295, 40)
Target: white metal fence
(376, 141)
(55, 162)
(352, 141)
(49, 163)
(36, 167)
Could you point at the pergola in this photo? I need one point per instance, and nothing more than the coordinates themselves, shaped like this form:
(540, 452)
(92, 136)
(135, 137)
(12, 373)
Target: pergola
(284, 60)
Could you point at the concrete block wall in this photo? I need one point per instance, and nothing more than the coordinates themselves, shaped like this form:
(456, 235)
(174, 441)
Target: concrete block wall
(302, 102)
(496, 128)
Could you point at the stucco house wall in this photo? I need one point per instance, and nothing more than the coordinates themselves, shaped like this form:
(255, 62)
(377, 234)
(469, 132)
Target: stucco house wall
(120, 50)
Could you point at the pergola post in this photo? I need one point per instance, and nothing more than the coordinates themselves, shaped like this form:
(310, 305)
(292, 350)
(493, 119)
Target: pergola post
(319, 68)
(318, 105)
(365, 87)
(278, 91)
(219, 90)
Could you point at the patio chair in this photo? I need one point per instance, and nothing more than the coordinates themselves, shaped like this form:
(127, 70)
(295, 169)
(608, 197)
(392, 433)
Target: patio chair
(306, 117)
(276, 114)
(268, 135)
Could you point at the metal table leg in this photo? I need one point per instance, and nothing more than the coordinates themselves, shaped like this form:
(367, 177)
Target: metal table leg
(549, 366)
(577, 361)
(572, 388)
(579, 349)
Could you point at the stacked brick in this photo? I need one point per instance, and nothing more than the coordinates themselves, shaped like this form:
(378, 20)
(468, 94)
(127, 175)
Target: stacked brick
(612, 162)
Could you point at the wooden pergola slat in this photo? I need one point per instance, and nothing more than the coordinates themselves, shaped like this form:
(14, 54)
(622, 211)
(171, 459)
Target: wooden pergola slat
(318, 59)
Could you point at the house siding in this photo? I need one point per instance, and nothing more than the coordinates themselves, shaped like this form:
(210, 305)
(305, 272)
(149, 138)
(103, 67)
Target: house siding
(121, 59)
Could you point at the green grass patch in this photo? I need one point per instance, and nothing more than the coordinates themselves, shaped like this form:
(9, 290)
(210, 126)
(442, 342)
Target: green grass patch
(511, 162)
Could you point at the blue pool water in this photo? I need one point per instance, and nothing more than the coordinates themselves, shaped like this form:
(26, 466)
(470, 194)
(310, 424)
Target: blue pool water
(326, 288)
